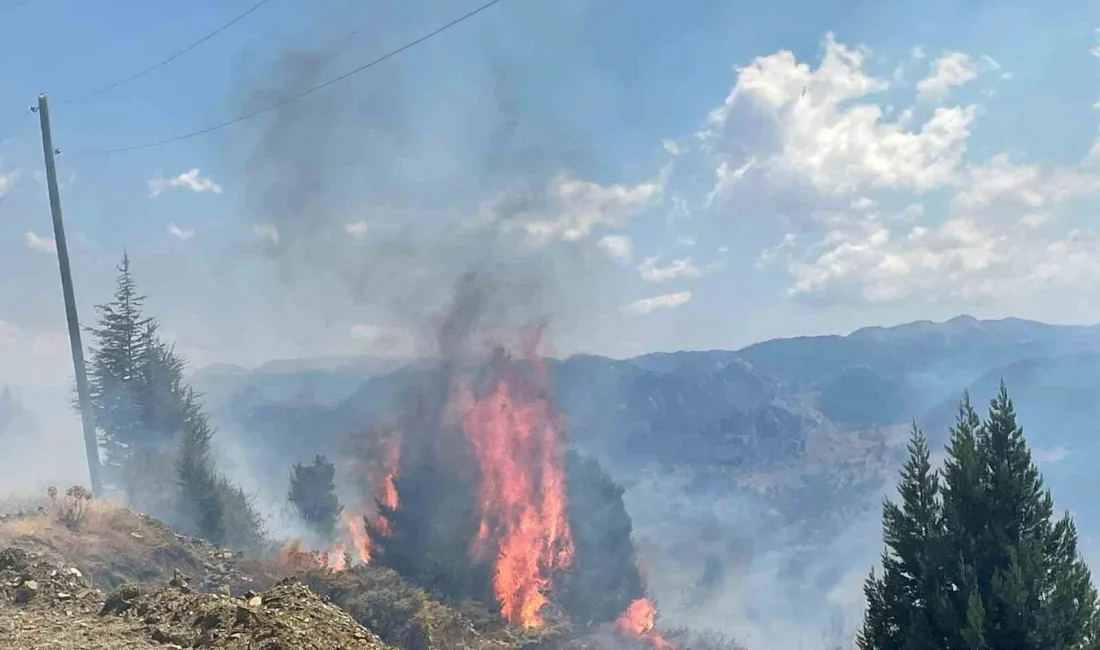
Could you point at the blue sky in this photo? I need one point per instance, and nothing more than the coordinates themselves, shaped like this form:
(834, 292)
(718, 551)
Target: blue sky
(698, 174)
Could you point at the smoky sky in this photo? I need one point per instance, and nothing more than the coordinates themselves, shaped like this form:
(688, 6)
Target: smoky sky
(436, 186)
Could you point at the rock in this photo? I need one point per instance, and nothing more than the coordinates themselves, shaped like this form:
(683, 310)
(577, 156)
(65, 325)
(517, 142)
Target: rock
(179, 581)
(61, 595)
(255, 601)
(120, 600)
(245, 616)
(209, 621)
(160, 635)
(14, 559)
(26, 592)
(74, 572)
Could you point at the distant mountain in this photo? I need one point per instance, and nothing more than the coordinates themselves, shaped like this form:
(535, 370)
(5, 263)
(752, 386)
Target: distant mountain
(759, 463)
(325, 380)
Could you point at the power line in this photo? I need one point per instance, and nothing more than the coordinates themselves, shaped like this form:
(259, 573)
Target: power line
(305, 93)
(138, 75)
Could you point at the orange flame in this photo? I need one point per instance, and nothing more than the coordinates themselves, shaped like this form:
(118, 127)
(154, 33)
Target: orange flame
(337, 558)
(357, 534)
(294, 556)
(389, 496)
(516, 437)
(640, 621)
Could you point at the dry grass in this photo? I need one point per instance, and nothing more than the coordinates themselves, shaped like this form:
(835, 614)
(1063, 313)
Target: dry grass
(111, 544)
(75, 510)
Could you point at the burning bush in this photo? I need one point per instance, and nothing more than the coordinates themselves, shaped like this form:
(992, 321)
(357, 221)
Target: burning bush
(481, 504)
(604, 580)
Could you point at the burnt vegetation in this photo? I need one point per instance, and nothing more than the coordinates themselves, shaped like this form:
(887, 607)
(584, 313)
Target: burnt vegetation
(429, 537)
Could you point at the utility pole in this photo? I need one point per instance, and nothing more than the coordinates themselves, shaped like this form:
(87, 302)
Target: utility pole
(91, 445)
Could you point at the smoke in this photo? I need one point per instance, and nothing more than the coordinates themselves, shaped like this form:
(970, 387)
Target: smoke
(42, 442)
(371, 226)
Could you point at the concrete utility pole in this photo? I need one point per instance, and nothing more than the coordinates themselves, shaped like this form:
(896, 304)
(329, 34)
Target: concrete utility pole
(91, 445)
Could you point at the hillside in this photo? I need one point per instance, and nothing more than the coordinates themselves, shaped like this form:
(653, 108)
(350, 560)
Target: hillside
(765, 464)
(78, 574)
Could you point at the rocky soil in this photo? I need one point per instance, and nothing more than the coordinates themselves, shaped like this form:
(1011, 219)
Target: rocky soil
(112, 579)
(43, 605)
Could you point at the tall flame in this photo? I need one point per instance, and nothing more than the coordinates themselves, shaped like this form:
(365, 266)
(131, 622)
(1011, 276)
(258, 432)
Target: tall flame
(389, 496)
(357, 535)
(516, 437)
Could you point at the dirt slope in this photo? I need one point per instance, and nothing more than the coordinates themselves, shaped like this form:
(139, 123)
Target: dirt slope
(112, 545)
(105, 578)
(47, 606)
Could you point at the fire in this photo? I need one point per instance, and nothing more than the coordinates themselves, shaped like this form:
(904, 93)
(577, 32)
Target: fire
(640, 621)
(516, 438)
(337, 558)
(357, 535)
(294, 556)
(389, 496)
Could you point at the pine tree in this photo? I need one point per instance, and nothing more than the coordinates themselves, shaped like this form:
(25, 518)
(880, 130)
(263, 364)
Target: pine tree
(964, 511)
(115, 366)
(149, 422)
(603, 579)
(908, 599)
(199, 486)
(313, 493)
(994, 571)
(1037, 591)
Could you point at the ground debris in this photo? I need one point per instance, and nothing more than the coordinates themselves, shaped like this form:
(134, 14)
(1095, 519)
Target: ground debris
(113, 546)
(288, 616)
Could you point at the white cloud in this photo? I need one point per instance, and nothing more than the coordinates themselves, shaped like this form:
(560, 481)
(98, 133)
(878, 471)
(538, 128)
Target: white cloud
(727, 177)
(39, 243)
(617, 246)
(266, 231)
(882, 209)
(357, 229)
(180, 233)
(1095, 49)
(571, 209)
(1003, 234)
(917, 52)
(685, 268)
(952, 70)
(189, 180)
(826, 133)
(671, 147)
(1049, 456)
(961, 260)
(7, 182)
(665, 301)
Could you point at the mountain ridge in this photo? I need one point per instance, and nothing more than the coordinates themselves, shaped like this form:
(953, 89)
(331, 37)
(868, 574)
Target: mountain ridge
(781, 450)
